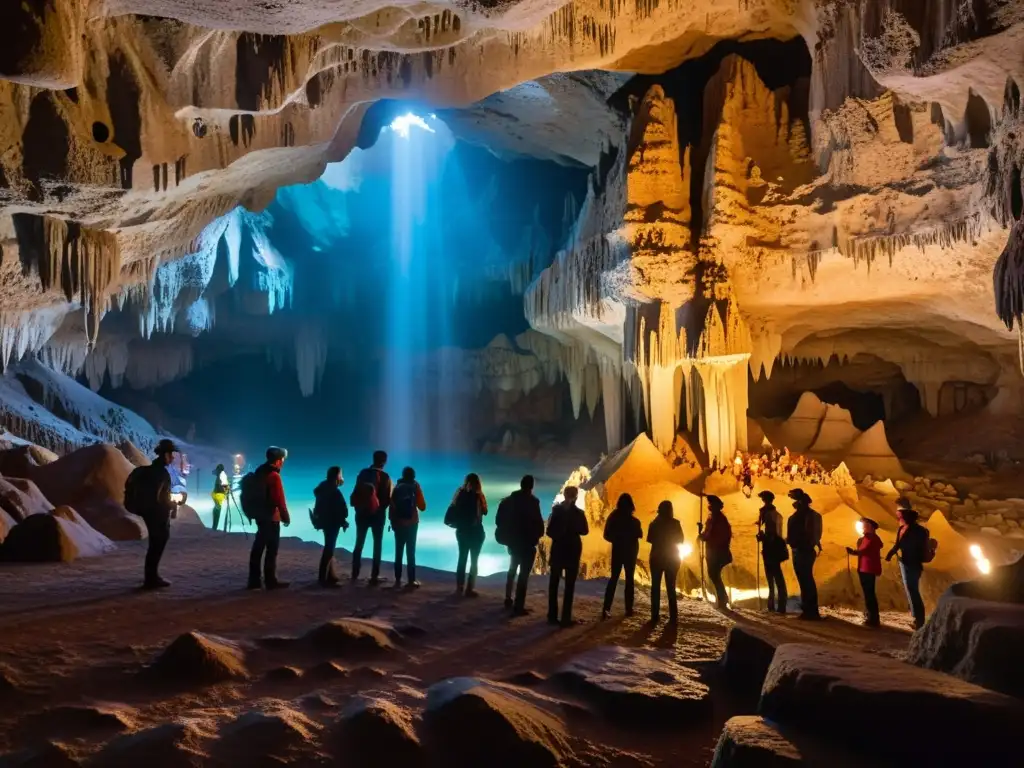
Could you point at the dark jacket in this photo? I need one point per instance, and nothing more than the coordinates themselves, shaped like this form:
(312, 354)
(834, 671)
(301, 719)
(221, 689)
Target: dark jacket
(623, 531)
(911, 544)
(803, 529)
(330, 508)
(419, 504)
(566, 527)
(470, 508)
(773, 545)
(717, 534)
(665, 534)
(523, 523)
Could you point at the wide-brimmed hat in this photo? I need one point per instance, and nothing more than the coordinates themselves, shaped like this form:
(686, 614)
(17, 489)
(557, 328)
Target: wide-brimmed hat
(870, 522)
(715, 503)
(903, 503)
(165, 446)
(767, 495)
(798, 494)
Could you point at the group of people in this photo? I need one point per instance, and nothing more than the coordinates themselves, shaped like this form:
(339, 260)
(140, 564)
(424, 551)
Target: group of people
(519, 526)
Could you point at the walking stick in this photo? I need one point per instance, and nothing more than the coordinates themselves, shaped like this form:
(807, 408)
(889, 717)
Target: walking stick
(700, 551)
(758, 549)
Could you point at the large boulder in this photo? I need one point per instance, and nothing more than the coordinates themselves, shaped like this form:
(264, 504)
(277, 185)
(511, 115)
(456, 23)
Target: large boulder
(77, 721)
(186, 515)
(474, 722)
(20, 498)
(1004, 584)
(60, 536)
(198, 658)
(841, 695)
(278, 736)
(376, 733)
(747, 657)
(976, 640)
(93, 473)
(750, 741)
(113, 520)
(133, 454)
(6, 524)
(19, 460)
(641, 688)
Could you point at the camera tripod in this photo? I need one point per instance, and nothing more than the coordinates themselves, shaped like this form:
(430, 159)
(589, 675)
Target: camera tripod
(231, 510)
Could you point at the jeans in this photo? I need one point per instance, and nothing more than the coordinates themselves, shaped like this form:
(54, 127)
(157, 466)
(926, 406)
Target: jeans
(777, 594)
(405, 543)
(375, 525)
(470, 541)
(521, 563)
(669, 575)
(267, 539)
(327, 558)
(569, 566)
(716, 564)
(803, 566)
(912, 583)
(867, 584)
(621, 561)
(158, 528)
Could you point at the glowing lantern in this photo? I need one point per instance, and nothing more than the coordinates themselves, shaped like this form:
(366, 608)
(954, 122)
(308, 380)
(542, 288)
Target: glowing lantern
(685, 550)
(976, 552)
(984, 566)
(859, 526)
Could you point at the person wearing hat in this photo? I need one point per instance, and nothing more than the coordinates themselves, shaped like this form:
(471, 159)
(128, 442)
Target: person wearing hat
(803, 534)
(717, 538)
(268, 522)
(147, 493)
(911, 546)
(774, 551)
(869, 568)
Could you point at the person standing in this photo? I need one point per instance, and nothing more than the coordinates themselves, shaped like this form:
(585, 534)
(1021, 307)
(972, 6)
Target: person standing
(912, 547)
(371, 498)
(406, 504)
(869, 568)
(519, 525)
(665, 536)
(803, 534)
(466, 515)
(717, 537)
(219, 494)
(269, 510)
(566, 528)
(774, 551)
(147, 493)
(331, 515)
(623, 531)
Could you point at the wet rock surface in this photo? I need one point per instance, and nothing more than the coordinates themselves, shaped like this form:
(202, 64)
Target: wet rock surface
(640, 687)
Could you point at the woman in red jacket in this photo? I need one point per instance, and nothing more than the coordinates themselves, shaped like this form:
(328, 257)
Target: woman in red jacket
(869, 568)
(717, 538)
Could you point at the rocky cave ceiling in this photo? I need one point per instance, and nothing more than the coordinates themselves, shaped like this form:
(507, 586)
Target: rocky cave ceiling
(851, 185)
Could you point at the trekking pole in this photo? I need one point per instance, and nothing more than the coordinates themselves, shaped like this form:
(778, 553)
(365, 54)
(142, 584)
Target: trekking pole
(700, 550)
(758, 549)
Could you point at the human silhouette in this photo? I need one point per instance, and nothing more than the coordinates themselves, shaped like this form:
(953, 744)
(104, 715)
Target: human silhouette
(566, 528)
(803, 534)
(370, 499)
(331, 514)
(717, 537)
(519, 525)
(774, 551)
(465, 515)
(665, 535)
(406, 504)
(623, 531)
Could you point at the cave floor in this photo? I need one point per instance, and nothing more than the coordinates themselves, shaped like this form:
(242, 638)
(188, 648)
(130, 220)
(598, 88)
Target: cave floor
(81, 632)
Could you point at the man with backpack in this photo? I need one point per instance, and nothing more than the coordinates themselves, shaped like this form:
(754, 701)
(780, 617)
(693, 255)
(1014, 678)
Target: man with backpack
(803, 534)
(519, 526)
(370, 498)
(147, 493)
(915, 548)
(774, 551)
(264, 503)
(566, 527)
(406, 504)
(330, 515)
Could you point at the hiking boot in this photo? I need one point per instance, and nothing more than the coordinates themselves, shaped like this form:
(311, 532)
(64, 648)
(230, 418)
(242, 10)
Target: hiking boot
(566, 623)
(553, 620)
(374, 582)
(254, 585)
(328, 584)
(521, 611)
(398, 583)
(278, 584)
(155, 583)
(471, 593)
(605, 614)
(508, 603)
(413, 585)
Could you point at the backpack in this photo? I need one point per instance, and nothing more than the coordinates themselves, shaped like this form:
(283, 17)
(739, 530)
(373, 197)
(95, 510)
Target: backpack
(931, 546)
(462, 511)
(502, 534)
(134, 491)
(364, 495)
(403, 502)
(254, 496)
(314, 519)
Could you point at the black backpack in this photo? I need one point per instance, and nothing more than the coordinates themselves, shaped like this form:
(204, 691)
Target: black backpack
(135, 485)
(254, 495)
(502, 534)
(403, 502)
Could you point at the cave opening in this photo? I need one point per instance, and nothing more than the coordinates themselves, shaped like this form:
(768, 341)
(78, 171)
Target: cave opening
(978, 120)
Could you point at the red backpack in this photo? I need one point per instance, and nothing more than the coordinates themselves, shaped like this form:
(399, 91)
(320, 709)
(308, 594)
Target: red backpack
(364, 496)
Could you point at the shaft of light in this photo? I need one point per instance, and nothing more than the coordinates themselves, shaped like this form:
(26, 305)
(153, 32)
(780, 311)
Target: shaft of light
(685, 550)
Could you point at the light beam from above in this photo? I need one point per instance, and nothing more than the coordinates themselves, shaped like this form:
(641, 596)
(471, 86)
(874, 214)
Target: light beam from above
(403, 123)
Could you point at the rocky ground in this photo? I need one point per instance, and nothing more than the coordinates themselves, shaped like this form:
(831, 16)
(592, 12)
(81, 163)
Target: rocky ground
(96, 672)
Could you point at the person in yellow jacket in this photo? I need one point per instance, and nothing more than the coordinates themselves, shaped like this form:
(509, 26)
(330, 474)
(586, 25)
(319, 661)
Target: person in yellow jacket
(219, 494)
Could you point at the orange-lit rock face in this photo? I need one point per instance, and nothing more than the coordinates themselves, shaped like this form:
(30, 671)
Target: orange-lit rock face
(856, 205)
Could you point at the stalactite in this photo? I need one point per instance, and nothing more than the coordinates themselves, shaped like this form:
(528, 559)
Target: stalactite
(310, 357)
(23, 333)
